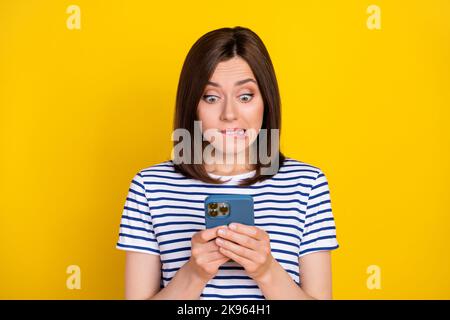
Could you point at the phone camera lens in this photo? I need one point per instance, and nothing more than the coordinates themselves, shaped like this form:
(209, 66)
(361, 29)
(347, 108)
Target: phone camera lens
(213, 205)
(213, 213)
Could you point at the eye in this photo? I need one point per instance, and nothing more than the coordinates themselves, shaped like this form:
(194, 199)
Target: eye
(210, 98)
(246, 97)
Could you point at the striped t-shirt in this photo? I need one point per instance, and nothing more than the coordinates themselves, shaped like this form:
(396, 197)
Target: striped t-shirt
(164, 209)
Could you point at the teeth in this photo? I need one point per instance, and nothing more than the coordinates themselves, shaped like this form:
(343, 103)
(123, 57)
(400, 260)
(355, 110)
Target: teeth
(240, 132)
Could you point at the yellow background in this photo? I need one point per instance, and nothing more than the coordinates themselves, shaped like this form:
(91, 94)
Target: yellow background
(81, 111)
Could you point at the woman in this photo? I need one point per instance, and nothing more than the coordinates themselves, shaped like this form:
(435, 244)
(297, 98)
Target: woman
(228, 85)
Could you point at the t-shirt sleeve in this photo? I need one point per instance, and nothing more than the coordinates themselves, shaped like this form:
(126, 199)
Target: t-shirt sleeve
(136, 228)
(319, 232)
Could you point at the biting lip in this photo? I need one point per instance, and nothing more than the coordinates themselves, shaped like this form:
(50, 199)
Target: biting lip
(239, 132)
(232, 130)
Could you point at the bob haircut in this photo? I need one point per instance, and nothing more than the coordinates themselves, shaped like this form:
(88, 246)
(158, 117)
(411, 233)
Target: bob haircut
(214, 47)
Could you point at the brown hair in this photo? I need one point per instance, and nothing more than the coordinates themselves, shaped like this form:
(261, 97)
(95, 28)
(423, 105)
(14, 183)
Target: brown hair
(214, 47)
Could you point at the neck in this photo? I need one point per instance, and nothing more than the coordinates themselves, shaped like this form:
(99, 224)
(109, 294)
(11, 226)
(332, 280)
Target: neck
(231, 164)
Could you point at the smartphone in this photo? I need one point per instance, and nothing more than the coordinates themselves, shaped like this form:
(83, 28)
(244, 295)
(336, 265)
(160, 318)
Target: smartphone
(223, 209)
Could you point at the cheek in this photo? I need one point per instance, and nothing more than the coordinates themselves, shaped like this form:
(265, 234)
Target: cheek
(254, 115)
(206, 115)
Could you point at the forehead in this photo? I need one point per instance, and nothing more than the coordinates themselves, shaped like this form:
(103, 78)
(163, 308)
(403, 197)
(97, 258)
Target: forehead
(232, 70)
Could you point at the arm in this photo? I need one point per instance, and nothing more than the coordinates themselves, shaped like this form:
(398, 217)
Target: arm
(250, 247)
(315, 273)
(143, 271)
(143, 262)
(143, 276)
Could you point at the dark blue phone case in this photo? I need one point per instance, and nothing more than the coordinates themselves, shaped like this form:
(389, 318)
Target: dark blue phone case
(240, 210)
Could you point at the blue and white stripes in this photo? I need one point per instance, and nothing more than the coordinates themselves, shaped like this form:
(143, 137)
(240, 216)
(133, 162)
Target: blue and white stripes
(164, 209)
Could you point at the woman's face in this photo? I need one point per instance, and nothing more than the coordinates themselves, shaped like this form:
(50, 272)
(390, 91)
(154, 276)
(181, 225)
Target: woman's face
(231, 107)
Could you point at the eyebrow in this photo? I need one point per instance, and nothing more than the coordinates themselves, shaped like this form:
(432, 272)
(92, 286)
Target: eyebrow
(241, 82)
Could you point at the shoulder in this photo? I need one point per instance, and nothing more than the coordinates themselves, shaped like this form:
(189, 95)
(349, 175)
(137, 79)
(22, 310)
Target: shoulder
(162, 169)
(158, 168)
(309, 178)
(162, 173)
(306, 175)
(295, 165)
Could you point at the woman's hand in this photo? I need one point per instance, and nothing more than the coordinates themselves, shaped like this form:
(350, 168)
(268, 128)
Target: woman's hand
(249, 246)
(205, 257)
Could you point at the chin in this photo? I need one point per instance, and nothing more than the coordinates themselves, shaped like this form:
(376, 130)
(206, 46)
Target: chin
(232, 147)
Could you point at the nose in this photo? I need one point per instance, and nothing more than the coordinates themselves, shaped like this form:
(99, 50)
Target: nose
(229, 112)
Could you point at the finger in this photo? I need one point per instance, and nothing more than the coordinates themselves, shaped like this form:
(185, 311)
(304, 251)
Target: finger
(237, 258)
(220, 261)
(250, 231)
(239, 238)
(239, 250)
(209, 257)
(206, 235)
(210, 246)
(204, 248)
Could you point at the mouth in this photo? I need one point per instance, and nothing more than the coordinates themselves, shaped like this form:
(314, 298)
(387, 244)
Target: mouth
(234, 132)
